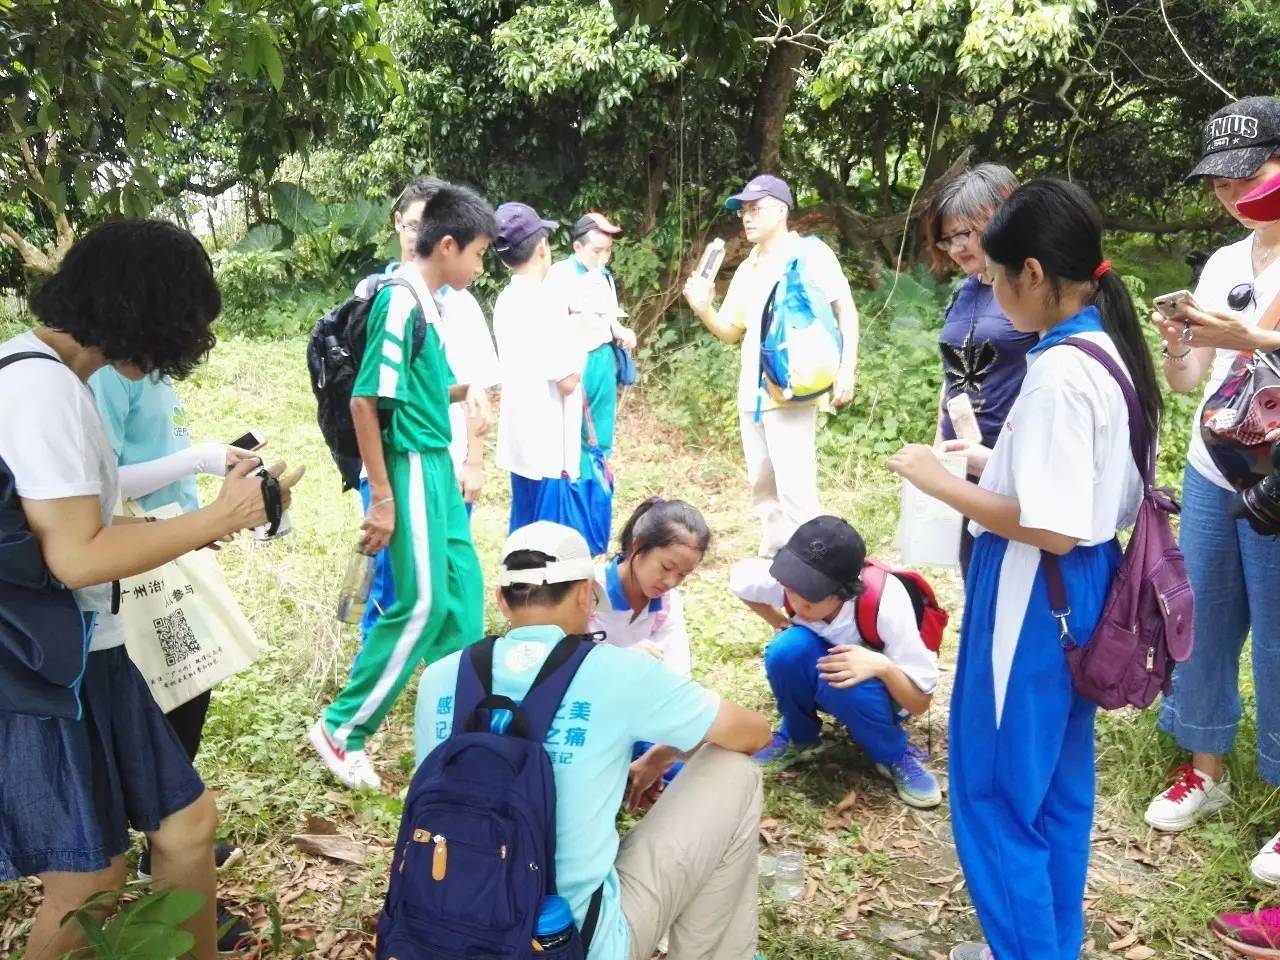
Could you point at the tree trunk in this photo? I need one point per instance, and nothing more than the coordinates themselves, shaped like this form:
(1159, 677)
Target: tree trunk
(773, 100)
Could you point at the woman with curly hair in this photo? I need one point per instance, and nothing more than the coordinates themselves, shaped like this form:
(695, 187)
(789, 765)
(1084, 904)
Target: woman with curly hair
(138, 296)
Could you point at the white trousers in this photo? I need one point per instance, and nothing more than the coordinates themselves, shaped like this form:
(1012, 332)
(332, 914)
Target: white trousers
(782, 470)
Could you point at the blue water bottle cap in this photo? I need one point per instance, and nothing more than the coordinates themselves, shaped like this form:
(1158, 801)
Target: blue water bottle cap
(554, 916)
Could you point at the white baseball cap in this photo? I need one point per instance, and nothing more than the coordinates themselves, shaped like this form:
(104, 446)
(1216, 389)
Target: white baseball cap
(571, 556)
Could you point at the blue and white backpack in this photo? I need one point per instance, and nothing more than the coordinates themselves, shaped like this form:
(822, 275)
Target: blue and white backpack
(476, 855)
(800, 341)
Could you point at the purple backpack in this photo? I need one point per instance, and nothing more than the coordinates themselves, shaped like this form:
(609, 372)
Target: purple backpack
(1146, 624)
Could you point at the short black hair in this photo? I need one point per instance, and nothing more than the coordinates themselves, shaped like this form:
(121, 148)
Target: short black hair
(519, 595)
(456, 212)
(421, 188)
(522, 252)
(140, 291)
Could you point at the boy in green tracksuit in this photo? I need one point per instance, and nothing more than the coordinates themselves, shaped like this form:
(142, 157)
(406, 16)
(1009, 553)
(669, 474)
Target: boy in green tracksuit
(416, 509)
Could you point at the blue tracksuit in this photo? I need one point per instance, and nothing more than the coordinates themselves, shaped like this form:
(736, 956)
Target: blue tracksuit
(1022, 764)
(867, 710)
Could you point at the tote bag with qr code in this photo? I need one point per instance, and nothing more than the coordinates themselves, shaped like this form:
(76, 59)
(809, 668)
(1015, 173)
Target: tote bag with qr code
(183, 629)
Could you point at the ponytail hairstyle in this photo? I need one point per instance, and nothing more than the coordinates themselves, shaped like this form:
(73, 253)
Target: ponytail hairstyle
(663, 523)
(1057, 224)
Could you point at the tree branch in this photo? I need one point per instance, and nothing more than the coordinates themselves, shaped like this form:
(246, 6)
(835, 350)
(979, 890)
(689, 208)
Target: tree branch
(1138, 225)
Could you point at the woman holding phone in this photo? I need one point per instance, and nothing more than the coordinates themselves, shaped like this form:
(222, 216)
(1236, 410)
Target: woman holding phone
(1234, 571)
(139, 296)
(983, 357)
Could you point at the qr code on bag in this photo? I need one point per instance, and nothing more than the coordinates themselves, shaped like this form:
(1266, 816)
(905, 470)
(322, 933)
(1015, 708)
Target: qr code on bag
(177, 642)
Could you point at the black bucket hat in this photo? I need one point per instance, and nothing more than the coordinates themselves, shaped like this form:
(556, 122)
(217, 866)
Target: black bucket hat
(1239, 139)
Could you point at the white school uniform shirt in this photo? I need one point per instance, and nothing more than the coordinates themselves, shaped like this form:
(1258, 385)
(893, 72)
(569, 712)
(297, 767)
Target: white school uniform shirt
(52, 439)
(1228, 267)
(469, 351)
(660, 622)
(895, 621)
(1064, 450)
(591, 297)
(749, 291)
(538, 429)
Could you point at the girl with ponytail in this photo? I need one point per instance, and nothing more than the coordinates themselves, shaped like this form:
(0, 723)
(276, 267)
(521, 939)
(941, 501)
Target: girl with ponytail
(1060, 479)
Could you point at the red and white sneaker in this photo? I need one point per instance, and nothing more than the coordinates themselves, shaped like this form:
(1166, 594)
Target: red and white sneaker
(1266, 865)
(352, 767)
(1250, 934)
(1192, 796)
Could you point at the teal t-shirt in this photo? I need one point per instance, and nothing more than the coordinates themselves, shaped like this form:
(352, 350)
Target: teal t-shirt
(144, 421)
(617, 697)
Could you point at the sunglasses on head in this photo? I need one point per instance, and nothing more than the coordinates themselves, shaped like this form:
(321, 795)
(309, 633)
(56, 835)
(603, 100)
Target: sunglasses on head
(1240, 296)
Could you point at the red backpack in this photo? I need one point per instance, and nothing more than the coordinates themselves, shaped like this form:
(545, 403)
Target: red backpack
(930, 617)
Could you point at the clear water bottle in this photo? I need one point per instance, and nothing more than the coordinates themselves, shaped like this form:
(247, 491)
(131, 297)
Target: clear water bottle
(354, 594)
(788, 876)
(555, 923)
(712, 258)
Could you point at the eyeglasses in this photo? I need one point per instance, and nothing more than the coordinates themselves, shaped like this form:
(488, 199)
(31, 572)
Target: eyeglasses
(1241, 296)
(957, 239)
(752, 211)
(411, 225)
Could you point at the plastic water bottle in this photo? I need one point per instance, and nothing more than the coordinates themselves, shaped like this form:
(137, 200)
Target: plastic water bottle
(354, 594)
(555, 923)
(712, 257)
(788, 876)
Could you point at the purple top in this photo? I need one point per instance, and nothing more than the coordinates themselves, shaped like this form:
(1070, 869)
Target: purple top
(982, 355)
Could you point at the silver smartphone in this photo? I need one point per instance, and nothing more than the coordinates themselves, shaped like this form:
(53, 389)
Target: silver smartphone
(1167, 303)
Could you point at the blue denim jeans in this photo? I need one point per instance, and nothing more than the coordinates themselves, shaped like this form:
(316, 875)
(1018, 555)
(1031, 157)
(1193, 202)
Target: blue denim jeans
(1235, 574)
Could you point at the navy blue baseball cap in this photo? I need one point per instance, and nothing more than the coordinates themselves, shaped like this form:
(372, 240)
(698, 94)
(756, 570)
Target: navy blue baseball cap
(760, 187)
(517, 222)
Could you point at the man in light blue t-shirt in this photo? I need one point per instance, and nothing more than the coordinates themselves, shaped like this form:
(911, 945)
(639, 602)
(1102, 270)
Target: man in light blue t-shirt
(690, 865)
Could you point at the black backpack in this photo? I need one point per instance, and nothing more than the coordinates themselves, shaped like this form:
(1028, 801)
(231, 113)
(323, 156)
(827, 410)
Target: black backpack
(334, 351)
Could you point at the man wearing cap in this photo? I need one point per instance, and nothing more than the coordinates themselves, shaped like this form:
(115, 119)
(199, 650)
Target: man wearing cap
(584, 281)
(779, 440)
(541, 414)
(690, 866)
(1234, 570)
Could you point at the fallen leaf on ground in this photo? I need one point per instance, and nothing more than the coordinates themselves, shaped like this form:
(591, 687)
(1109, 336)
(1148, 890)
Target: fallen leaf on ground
(1123, 943)
(1139, 953)
(333, 847)
(848, 803)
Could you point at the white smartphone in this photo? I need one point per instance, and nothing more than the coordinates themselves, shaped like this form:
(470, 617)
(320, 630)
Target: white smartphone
(252, 440)
(1167, 303)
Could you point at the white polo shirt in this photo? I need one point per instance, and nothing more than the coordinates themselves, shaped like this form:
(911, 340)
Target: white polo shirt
(895, 621)
(749, 291)
(1228, 267)
(660, 623)
(1064, 450)
(591, 297)
(538, 429)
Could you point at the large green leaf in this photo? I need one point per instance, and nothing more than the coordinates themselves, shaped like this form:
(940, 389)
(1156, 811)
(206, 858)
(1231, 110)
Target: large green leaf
(263, 236)
(297, 209)
(368, 220)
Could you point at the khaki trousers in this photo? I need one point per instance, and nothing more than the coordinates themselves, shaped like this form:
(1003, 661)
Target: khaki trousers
(690, 866)
(782, 470)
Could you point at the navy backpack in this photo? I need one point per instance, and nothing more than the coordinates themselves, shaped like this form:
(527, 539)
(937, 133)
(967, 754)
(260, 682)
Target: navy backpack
(476, 853)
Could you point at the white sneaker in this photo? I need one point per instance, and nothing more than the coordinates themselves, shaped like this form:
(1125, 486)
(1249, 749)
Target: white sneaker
(352, 767)
(1266, 865)
(1192, 796)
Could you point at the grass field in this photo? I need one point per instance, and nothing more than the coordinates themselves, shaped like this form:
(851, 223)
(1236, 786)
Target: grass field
(883, 880)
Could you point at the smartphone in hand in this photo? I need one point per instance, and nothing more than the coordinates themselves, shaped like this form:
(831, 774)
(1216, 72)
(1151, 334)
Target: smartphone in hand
(252, 440)
(1167, 304)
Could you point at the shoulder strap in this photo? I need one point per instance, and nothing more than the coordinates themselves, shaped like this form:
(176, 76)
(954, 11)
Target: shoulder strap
(867, 608)
(475, 681)
(552, 682)
(588, 931)
(590, 424)
(419, 328)
(1142, 446)
(27, 355)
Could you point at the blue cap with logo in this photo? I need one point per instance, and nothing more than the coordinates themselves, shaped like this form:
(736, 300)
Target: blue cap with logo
(760, 187)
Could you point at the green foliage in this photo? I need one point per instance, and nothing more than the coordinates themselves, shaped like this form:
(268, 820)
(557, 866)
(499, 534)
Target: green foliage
(327, 241)
(146, 929)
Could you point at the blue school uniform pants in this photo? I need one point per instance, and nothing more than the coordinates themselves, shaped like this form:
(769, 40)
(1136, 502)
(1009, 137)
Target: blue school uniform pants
(525, 494)
(866, 710)
(1021, 764)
